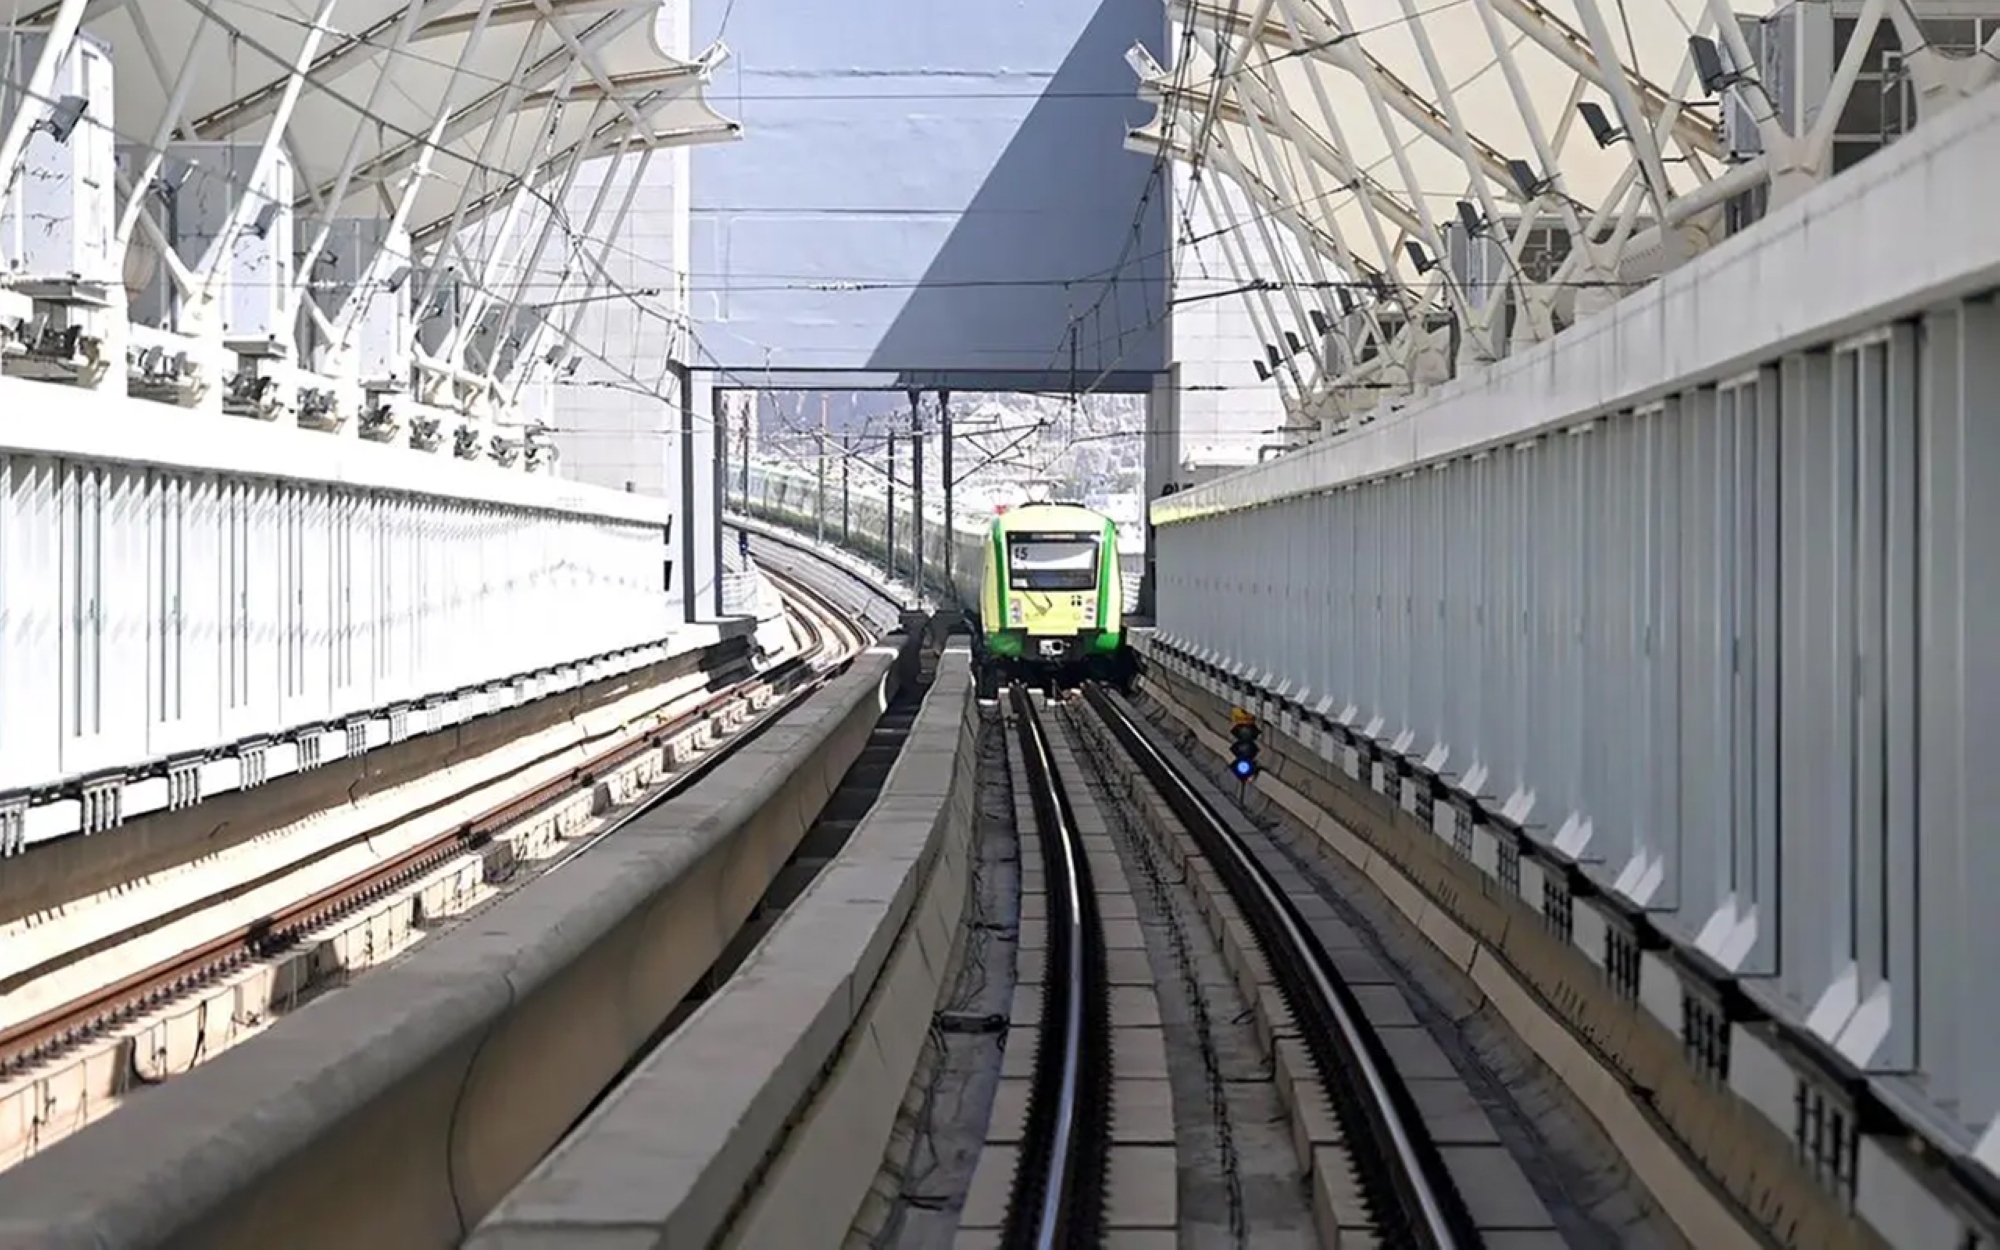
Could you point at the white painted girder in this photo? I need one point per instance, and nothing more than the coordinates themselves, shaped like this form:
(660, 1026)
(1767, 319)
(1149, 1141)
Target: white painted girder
(1271, 183)
(460, 59)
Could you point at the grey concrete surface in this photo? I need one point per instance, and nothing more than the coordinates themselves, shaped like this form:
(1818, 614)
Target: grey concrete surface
(929, 1165)
(742, 1128)
(1240, 1180)
(400, 1110)
(828, 570)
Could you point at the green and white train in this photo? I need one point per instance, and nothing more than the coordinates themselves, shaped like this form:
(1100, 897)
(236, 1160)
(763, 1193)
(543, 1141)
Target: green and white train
(1042, 586)
(1051, 598)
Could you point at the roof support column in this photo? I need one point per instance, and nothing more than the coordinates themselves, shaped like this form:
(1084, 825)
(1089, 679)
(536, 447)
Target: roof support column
(502, 241)
(35, 97)
(357, 301)
(1364, 69)
(1227, 66)
(232, 226)
(1219, 211)
(1545, 154)
(1288, 284)
(1317, 152)
(572, 316)
(156, 156)
(1638, 133)
(511, 97)
(351, 161)
(1398, 347)
(1385, 250)
(1308, 247)
(552, 217)
(267, 153)
(1267, 152)
(1475, 170)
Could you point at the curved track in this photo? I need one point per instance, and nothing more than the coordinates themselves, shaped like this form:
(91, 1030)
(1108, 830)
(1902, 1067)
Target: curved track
(1405, 1194)
(83, 1022)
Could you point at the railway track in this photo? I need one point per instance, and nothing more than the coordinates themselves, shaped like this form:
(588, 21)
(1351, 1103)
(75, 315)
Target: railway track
(93, 1024)
(1058, 1196)
(1410, 1196)
(1404, 1193)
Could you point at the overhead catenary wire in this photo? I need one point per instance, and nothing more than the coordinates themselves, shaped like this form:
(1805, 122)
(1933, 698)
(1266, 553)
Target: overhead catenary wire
(1215, 83)
(660, 389)
(614, 291)
(863, 283)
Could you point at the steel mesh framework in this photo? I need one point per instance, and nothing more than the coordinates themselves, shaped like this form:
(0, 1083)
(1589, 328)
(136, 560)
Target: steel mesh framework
(457, 127)
(1468, 178)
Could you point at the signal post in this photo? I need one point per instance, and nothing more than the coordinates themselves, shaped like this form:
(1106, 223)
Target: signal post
(1243, 744)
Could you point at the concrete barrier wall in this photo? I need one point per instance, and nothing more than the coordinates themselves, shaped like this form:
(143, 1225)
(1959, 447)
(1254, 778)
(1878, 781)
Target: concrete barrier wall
(764, 1119)
(76, 867)
(844, 577)
(397, 1112)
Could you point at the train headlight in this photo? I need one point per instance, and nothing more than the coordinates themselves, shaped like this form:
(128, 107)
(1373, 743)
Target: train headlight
(1015, 612)
(1090, 611)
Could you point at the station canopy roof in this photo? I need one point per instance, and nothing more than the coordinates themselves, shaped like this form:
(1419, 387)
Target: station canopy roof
(1353, 121)
(498, 90)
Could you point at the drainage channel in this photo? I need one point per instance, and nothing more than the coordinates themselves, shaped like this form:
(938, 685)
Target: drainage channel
(850, 802)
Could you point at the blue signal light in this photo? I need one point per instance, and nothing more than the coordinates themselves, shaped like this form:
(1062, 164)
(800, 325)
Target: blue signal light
(1243, 744)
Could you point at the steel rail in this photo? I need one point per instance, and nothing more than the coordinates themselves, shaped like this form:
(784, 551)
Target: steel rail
(1058, 1195)
(1404, 1179)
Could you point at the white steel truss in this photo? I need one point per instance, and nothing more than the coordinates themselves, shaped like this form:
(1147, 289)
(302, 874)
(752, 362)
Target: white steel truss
(437, 137)
(1430, 162)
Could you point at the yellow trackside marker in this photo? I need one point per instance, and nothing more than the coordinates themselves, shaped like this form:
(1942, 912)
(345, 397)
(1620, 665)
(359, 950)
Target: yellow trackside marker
(1237, 716)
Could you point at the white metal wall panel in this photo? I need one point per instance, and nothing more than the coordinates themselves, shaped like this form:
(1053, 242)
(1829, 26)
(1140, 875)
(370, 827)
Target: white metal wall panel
(1958, 706)
(31, 619)
(147, 614)
(267, 572)
(1726, 651)
(88, 736)
(172, 506)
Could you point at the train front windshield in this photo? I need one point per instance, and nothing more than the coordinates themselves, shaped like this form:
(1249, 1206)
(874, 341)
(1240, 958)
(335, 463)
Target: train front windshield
(1049, 562)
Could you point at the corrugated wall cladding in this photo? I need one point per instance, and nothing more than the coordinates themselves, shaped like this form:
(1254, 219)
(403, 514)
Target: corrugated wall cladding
(1733, 650)
(146, 613)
